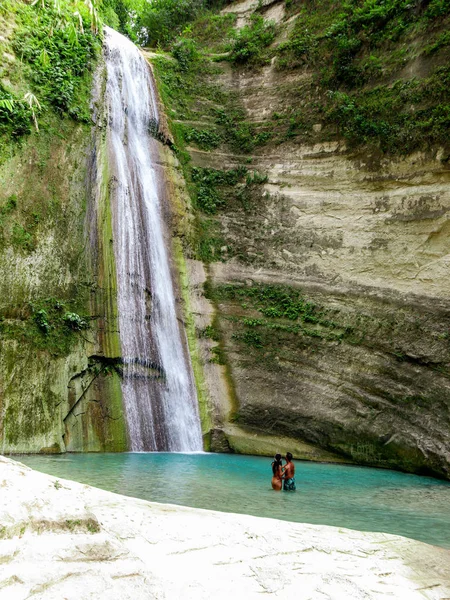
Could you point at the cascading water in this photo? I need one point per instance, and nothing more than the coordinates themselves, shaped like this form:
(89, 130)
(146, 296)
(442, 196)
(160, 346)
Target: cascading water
(157, 385)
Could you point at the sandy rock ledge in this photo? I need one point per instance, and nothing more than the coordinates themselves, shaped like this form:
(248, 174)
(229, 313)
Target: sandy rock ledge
(61, 540)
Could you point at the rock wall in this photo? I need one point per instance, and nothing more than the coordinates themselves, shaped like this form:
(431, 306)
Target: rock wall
(317, 311)
(355, 242)
(368, 376)
(59, 386)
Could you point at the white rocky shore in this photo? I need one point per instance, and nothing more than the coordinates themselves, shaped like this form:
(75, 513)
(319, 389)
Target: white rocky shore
(61, 540)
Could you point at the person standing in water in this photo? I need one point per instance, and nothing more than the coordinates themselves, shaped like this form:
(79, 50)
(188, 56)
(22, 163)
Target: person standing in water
(288, 474)
(277, 473)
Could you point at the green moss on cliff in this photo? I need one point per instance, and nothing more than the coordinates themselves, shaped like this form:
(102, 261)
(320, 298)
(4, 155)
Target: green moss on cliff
(184, 89)
(380, 67)
(49, 54)
(57, 291)
(202, 394)
(276, 320)
(47, 324)
(374, 73)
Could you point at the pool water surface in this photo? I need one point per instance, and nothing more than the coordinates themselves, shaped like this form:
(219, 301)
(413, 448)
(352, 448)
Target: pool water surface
(345, 496)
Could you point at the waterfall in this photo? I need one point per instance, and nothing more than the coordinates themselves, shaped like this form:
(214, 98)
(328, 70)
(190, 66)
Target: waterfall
(157, 384)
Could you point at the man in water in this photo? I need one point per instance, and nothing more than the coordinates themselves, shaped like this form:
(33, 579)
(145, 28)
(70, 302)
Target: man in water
(288, 474)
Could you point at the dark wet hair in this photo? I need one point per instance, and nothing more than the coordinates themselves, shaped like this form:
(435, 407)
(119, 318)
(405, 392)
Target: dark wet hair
(276, 463)
(289, 456)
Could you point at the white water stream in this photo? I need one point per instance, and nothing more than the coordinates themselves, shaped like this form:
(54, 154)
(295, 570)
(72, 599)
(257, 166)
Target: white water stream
(157, 385)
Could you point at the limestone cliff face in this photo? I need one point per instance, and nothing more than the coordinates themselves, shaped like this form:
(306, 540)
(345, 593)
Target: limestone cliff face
(358, 241)
(59, 389)
(60, 353)
(316, 303)
(368, 249)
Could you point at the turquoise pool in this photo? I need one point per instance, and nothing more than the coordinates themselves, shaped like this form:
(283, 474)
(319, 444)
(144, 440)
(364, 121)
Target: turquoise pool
(345, 496)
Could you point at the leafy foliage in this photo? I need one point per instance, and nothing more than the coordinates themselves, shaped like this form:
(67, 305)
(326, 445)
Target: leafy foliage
(56, 44)
(162, 20)
(250, 42)
(300, 49)
(74, 321)
(205, 139)
(212, 32)
(288, 315)
(186, 53)
(356, 52)
(41, 320)
(15, 115)
(210, 242)
(58, 56)
(210, 186)
(274, 301)
(45, 325)
(239, 133)
(343, 38)
(389, 114)
(122, 15)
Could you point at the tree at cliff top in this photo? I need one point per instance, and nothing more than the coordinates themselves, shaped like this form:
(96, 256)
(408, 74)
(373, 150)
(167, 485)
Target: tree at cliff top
(160, 21)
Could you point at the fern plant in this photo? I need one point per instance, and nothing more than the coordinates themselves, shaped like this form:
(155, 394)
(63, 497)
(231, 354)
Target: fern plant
(33, 103)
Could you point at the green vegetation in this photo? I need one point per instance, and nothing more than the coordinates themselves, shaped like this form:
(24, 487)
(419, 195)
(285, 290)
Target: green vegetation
(45, 324)
(55, 47)
(159, 22)
(122, 15)
(210, 332)
(250, 43)
(204, 139)
(274, 301)
(184, 84)
(212, 32)
(209, 244)
(186, 53)
(353, 59)
(74, 321)
(289, 316)
(20, 235)
(163, 20)
(289, 323)
(346, 36)
(401, 117)
(356, 51)
(240, 135)
(219, 190)
(15, 115)
(212, 186)
(58, 59)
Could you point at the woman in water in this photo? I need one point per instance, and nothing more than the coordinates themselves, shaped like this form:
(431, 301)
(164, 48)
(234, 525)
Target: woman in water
(277, 473)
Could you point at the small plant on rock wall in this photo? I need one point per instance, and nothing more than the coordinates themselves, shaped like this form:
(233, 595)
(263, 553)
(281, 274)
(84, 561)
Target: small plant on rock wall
(34, 105)
(186, 53)
(74, 321)
(251, 41)
(41, 320)
(15, 115)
